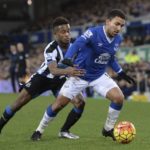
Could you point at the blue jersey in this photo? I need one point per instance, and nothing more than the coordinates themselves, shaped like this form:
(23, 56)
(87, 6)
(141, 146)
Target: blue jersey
(95, 51)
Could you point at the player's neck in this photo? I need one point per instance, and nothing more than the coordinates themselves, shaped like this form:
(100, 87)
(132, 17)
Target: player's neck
(107, 33)
(63, 46)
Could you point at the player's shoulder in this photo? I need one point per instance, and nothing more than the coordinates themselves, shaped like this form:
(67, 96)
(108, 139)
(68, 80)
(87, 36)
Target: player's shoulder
(96, 29)
(51, 46)
(92, 28)
(90, 32)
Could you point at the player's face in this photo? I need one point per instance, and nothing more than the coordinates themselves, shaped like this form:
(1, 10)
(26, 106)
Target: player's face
(114, 26)
(62, 34)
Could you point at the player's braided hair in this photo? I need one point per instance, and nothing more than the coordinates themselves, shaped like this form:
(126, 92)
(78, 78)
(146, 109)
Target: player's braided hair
(116, 13)
(59, 21)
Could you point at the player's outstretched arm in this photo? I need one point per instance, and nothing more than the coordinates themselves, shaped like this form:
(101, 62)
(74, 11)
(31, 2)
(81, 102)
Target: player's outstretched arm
(71, 71)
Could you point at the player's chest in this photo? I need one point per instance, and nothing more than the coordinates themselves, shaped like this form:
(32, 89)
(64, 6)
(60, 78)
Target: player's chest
(105, 47)
(103, 52)
(60, 54)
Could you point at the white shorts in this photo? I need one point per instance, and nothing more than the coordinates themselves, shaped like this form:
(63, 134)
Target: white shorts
(73, 86)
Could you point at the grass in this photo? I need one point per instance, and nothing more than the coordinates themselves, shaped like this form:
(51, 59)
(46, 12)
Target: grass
(16, 135)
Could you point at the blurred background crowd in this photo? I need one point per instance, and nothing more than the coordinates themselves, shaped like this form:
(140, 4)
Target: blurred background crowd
(27, 23)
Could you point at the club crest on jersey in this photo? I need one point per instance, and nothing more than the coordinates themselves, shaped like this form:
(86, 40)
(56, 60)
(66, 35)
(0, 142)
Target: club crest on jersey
(87, 34)
(100, 44)
(103, 58)
(116, 47)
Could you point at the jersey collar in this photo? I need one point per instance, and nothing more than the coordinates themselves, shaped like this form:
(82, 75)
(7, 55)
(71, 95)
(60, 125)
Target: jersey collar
(60, 49)
(108, 39)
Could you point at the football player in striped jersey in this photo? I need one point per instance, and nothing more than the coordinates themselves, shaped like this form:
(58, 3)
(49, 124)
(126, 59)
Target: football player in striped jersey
(50, 76)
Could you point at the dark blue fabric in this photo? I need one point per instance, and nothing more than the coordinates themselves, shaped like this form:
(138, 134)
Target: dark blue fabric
(9, 111)
(50, 113)
(77, 110)
(116, 106)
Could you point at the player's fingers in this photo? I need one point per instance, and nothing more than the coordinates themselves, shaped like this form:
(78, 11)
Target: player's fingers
(80, 71)
(75, 65)
(132, 81)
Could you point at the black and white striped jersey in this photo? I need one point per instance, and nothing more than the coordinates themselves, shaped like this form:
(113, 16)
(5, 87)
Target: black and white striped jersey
(52, 52)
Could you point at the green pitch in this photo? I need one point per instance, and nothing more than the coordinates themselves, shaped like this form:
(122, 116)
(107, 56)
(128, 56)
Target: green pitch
(16, 134)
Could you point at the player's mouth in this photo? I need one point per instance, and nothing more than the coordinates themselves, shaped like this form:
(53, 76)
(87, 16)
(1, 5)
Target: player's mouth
(67, 40)
(115, 32)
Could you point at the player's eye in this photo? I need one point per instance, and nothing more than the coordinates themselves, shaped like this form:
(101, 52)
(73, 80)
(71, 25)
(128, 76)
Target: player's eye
(117, 24)
(63, 31)
(122, 25)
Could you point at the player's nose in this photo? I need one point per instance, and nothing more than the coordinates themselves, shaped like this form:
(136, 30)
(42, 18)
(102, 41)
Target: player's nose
(119, 28)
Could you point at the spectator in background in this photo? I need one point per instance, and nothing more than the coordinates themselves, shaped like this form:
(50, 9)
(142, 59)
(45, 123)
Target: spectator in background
(132, 57)
(147, 39)
(127, 42)
(23, 63)
(13, 66)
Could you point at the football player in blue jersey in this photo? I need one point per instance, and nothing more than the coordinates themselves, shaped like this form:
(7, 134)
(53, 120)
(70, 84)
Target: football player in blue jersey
(95, 51)
(50, 77)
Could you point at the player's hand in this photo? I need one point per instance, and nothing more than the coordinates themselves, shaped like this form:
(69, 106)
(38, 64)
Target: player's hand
(73, 71)
(123, 75)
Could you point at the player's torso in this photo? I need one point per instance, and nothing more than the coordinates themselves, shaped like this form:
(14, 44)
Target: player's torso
(95, 56)
(43, 80)
(52, 52)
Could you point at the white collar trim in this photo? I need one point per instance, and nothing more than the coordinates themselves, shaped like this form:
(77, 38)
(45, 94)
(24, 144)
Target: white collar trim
(108, 39)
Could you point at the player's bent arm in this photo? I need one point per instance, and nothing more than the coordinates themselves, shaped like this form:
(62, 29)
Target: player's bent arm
(114, 65)
(55, 70)
(79, 44)
(121, 74)
(71, 71)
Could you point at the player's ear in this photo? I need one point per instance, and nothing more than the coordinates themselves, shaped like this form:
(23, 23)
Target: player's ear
(55, 33)
(55, 30)
(55, 36)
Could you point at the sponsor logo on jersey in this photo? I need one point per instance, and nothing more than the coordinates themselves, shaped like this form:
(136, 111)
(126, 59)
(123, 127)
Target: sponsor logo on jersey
(100, 44)
(103, 58)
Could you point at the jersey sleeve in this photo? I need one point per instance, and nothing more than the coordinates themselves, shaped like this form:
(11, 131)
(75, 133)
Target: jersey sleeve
(50, 56)
(79, 43)
(115, 65)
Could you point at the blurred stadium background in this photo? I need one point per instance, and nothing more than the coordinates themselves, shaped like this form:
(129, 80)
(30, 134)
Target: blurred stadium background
(28, 21)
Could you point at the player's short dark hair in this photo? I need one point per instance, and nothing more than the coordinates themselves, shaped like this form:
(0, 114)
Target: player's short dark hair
(116, 13)
(59, 21)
